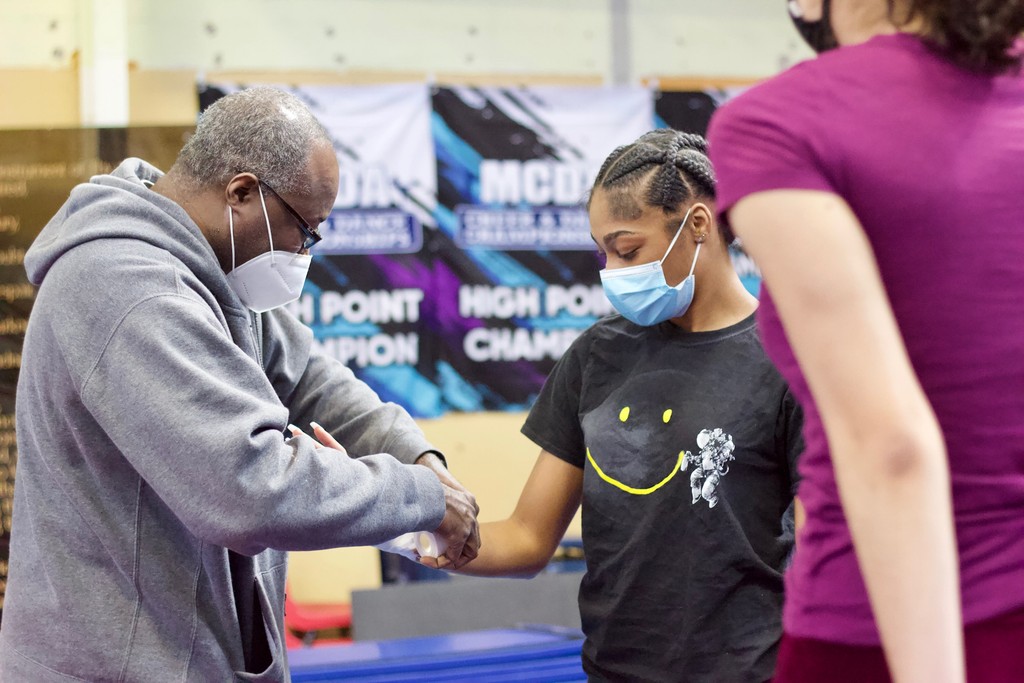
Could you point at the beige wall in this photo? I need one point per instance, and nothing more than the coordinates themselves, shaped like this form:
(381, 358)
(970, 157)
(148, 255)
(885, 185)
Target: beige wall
(38, 98)
(744, 38)
(167, 46)
(488, 455)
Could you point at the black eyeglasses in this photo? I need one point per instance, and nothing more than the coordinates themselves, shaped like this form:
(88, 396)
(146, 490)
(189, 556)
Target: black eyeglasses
(311, 235)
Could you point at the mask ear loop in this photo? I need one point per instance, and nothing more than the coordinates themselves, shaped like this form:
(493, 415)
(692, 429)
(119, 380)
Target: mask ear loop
(678, 233)
(695, 254)
(266, 217)
(231, 230)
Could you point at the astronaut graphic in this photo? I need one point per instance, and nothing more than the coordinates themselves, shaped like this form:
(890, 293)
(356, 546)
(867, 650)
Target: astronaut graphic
(712, 463)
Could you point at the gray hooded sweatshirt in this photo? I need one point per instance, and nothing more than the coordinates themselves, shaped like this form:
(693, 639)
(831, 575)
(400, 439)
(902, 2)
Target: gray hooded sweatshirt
(155, 491)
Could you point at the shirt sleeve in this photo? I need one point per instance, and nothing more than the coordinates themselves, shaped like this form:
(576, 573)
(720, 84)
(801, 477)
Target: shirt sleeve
(554, 421)
(789, 437)
(771, 138)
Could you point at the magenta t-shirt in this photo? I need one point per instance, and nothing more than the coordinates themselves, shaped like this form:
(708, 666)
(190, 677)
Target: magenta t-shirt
(931, 159)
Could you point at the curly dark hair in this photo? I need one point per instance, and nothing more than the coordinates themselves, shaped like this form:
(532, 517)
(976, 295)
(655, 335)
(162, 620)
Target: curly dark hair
(980, 35)
(664, 168)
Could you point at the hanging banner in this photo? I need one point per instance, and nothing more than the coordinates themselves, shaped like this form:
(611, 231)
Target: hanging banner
(515, 271)
(370, 277)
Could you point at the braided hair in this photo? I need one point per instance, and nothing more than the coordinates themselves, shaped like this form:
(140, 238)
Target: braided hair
(663, 168)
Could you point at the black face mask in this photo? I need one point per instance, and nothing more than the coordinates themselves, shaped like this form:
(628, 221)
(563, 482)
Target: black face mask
(818, 34)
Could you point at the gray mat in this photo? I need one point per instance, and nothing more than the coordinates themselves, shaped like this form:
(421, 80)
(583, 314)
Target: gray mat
(426, 608)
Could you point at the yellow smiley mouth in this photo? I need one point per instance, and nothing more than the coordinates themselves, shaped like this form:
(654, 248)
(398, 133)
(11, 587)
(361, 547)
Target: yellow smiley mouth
(630, 489)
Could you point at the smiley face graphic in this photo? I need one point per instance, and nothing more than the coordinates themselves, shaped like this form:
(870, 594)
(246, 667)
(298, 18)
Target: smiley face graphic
(623, 417)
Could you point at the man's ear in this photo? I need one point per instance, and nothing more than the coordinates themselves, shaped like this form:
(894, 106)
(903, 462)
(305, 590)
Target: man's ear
(241, 189)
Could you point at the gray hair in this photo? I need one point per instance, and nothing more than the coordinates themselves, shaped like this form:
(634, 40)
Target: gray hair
(260, 130)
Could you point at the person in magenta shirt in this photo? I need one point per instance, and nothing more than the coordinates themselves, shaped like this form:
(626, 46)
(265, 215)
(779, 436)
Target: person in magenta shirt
(880, 188)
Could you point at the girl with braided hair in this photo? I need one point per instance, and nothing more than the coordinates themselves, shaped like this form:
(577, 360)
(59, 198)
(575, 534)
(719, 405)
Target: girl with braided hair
(671, 427)
(880, 188)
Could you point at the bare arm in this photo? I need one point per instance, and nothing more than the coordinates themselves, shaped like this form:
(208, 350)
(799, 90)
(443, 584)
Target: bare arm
(799, 517)
(886, 446)
(524, 543)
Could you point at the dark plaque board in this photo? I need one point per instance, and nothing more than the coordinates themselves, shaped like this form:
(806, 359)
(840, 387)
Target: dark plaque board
(38, 168)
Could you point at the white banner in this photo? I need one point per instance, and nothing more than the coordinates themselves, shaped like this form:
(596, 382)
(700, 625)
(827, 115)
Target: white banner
(387, 187)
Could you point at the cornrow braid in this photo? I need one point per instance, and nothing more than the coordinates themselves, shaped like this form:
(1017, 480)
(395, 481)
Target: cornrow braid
(663, 168)
(697, 168)
(667, 188)
(627, 164)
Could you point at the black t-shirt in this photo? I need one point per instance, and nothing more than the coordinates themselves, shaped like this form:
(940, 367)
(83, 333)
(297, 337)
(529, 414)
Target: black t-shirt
(688, 442)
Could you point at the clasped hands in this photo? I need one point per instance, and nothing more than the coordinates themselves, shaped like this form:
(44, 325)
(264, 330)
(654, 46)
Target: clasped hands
(459, 528)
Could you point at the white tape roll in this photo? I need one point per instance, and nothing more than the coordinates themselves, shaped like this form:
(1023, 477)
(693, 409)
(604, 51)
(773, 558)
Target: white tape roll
(404, 545)
(429, 545)
(421, 543)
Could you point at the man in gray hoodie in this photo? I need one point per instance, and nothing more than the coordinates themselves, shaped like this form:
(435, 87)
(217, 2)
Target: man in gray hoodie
(156, 493)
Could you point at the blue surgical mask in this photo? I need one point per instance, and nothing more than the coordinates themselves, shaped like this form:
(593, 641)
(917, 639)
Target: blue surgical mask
(641, 293)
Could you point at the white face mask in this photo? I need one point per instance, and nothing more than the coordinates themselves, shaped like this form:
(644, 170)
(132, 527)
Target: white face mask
(272, 279)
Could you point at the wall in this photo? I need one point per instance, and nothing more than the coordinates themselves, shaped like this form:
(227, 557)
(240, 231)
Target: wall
(745, 39)
(44, 43)
(749, 38)
(38, 75)
(527, 36)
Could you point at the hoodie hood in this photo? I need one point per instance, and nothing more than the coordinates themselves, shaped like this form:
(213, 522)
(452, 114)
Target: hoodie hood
(120, 205)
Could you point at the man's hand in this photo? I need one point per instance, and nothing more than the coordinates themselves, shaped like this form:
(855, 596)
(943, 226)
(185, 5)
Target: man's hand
(459, 526)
